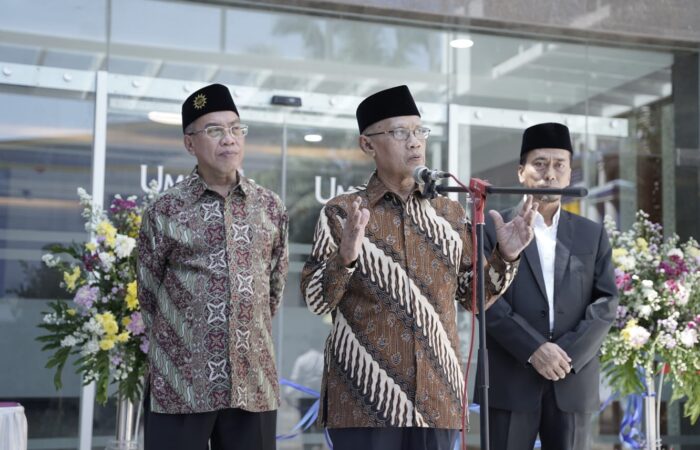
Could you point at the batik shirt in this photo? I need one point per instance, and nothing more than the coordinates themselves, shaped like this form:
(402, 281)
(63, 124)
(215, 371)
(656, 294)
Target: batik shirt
(392, 357)
(211, 271)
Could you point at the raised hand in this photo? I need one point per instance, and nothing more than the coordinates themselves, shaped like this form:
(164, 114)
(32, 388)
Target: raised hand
(515, 235)
(353, 232)
(551, 361)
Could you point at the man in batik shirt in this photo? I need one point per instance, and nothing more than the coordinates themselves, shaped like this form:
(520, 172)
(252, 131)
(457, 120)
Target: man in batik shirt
(388, 264)
(212, 266)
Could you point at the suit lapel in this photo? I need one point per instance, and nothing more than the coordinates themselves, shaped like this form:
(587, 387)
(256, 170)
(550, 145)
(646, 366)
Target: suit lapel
(532, 256)
(565, 233)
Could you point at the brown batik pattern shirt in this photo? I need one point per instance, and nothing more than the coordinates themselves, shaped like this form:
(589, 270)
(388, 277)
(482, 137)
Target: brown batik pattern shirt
(211, 271)
(392, 356)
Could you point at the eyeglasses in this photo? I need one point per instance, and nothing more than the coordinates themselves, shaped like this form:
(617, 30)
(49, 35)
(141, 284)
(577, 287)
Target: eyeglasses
(218, 132)
(402, 134)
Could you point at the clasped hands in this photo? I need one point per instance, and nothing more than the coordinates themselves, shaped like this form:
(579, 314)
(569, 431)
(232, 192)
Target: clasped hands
(551, 361)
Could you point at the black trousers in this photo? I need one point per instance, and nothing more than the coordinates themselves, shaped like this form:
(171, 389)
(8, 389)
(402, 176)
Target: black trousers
(227, 429)
(410, 438)
(558, 430)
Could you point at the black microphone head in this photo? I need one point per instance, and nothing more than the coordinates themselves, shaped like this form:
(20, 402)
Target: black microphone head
(576, 192)
(418, 174)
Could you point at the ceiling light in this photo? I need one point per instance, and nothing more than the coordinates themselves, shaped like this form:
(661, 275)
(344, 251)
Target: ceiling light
(313, 138)
(167, 118)
(461, 43)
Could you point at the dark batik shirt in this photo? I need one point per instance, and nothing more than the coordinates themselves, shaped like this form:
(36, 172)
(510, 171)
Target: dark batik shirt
(211, 271)
(392, 357)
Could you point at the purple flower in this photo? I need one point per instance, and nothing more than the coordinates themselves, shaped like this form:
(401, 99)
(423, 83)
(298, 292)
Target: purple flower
(136, 325)
(116, 360)
(119, 204)
(144, 345)
(86, 296)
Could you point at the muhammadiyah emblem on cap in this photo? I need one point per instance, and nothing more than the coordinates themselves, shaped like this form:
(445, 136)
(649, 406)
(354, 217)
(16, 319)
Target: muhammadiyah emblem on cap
(199, 101)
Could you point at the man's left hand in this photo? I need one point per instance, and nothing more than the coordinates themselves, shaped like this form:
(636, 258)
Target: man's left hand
(515, 235)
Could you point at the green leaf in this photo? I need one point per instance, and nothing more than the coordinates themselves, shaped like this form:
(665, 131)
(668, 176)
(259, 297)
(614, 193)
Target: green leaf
(623, 378)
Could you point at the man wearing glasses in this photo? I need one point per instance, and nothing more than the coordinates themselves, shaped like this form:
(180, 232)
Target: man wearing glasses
(388, 264)
(212, 266)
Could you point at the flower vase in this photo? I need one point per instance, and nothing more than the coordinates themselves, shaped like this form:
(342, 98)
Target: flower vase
(651, 417)
(125, 438)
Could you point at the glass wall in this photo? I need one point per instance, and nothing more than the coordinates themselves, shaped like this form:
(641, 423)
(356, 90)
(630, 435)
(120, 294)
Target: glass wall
(476, 100)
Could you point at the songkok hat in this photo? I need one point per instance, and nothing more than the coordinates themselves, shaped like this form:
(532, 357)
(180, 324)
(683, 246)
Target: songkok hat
(546, 135)
(392, 102)
(212, 98)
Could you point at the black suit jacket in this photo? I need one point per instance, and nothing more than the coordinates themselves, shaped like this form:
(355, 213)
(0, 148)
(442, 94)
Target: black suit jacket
(585, 302)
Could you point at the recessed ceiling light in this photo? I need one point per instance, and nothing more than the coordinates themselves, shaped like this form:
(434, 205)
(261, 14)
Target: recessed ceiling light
(313, 138)
(461, 43)
(167, 118)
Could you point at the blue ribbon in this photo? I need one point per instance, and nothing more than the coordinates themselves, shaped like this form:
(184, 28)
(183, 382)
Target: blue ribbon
(309, 418)
(630, 433)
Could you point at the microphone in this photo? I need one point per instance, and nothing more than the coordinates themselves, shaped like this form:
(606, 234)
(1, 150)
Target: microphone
(574, 192)
(423, 175)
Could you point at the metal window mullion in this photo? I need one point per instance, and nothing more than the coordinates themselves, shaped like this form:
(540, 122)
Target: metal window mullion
(99, 157)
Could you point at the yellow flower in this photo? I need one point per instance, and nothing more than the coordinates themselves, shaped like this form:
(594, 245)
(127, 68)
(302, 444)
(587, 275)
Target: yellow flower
(642, 244)
(131, 299)
(91, 247)
(70, 278)
(126, 321)
(694, 252)
(618, 253)
(123, 337)
(106, 344)
(109, 324)
(70, 311)
(108, 231)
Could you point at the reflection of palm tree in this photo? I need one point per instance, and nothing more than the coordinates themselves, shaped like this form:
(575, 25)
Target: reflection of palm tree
(358, 42)
(412, 43)
(312, 33)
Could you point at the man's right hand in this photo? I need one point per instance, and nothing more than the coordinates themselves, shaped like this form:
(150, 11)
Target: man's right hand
(551, 361)
(353, 233)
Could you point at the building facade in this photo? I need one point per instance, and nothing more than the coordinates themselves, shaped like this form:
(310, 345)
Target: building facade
(91, 90)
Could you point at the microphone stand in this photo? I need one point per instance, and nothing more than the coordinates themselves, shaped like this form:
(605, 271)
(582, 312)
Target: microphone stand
(478, 190)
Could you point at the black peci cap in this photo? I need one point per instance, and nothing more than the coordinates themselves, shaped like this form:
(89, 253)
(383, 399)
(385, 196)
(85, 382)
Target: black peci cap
(546, 135)
(212, 98)
(392, 102)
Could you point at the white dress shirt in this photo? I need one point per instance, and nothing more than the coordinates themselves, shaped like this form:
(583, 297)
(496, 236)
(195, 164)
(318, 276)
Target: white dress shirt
(546, 238)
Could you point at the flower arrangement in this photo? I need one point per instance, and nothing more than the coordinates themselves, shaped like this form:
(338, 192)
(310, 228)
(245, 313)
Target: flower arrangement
(102, 325)
(658, 319)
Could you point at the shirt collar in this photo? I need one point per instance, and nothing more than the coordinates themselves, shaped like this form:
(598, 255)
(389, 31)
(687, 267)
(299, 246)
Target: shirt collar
(197, 186)
(376, 190)
(539, 220)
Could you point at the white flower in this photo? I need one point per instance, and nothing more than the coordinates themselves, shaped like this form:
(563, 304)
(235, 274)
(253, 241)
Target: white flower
(667, 341)
(626, 263)
(637, 336)
(50, 260)
(69, 341)
(90, 347)
(50, 318)
(645, 311)
(681, 295)
(675, 252)
(689, 337)
(647, 284)
(107, 260)
(651, 294)
(92, 326)
(124, 245)
(85, 198)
